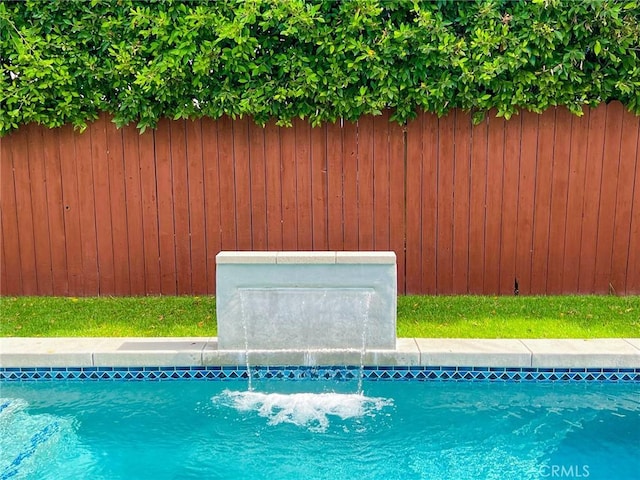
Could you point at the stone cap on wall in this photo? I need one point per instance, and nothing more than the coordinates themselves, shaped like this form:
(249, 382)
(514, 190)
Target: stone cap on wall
(307, 257)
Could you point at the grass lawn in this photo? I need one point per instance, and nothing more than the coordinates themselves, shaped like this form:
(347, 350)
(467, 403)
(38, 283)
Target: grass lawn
(418, 316)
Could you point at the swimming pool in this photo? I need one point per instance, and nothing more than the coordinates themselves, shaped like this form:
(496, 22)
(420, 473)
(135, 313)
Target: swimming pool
(317, 429)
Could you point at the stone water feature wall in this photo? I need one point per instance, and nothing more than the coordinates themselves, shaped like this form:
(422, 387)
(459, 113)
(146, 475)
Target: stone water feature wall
(306, 300)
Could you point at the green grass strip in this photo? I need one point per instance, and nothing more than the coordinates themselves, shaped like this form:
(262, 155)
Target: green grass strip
(107, 316)
(418, 316)
(519, 317)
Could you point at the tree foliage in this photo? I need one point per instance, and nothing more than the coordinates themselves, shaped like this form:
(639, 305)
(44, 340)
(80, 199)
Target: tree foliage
(65, 62)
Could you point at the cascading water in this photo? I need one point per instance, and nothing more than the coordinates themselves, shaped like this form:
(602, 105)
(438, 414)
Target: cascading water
(309, 410)
(246, 341)
(363, 349)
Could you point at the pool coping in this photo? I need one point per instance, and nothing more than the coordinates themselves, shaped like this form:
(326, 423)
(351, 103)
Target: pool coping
(89, 352)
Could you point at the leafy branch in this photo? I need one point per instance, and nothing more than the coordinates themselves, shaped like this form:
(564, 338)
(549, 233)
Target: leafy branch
(65, 62)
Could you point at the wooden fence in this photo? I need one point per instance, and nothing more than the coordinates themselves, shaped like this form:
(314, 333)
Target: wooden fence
(541, 204)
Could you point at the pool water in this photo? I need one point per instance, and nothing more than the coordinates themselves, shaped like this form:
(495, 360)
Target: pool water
(318, 430)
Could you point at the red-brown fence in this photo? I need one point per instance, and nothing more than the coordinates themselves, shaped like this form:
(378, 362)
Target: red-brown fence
(549, 201)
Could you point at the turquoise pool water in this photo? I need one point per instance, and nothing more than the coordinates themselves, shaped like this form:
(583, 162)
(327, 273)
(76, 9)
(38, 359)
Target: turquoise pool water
(318, 430)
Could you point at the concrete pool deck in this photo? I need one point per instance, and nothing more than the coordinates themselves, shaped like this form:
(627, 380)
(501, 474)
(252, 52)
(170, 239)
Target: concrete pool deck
(203, 351)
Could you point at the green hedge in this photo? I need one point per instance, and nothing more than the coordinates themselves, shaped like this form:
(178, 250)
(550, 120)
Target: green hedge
(67, 61)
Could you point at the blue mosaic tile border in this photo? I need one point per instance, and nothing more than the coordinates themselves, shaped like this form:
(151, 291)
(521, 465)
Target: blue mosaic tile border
(380, 373)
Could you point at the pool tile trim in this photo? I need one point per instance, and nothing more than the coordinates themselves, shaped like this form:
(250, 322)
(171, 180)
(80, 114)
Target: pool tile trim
(328, 372)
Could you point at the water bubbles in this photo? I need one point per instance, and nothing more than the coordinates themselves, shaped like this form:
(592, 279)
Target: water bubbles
(313, 411)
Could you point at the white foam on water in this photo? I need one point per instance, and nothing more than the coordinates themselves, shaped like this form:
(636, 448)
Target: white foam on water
(310, 410)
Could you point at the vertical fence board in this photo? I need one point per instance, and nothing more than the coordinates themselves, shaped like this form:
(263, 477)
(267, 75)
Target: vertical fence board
(9, 246)
(150, 214)
(4, 278)
(414, 165)
(526, 191)
(624, 202)
(39, 210)
(381, 186)
(542, 208)
(102, 195)
(227, 184)
(591, 200)
(319, 188)
(478, 206)
(11, 268)
(24, 212)
(119, 211)
(55, 203)
(461, 206)
(397, 200)
(609, 186)
(444, 202)
(510, 194)
(242, 178)
(196, 203)
(303, 203)
(134, 214)
(493, 227)
(181, 207)
(213, 236)
(577, 173)
(429, 234)
(273, 174)
(350, 185)
(5, 288)
(365, 183)
(288, 178)
(335, 192)
(166, 227)
(633, 262)
(258, 187)
(559, 193)
(86, 202)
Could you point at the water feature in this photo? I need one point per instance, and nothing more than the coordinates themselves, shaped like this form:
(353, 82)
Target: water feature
(305, 300)
(315, 303)
(359, 322)
(305, 408)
